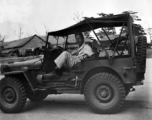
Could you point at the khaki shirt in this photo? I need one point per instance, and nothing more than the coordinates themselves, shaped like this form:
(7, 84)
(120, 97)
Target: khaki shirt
(84, 51)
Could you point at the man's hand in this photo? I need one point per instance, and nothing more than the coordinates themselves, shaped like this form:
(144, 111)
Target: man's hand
(74, 52)
(82, 56)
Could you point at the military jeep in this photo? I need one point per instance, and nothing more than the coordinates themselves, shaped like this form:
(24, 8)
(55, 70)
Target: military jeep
(105, 80)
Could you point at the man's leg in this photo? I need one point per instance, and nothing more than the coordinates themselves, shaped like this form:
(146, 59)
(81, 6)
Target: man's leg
(62, 59)
(59, 61)
(66, 60)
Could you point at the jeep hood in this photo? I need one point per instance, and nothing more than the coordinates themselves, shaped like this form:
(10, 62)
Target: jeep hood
(35, 63)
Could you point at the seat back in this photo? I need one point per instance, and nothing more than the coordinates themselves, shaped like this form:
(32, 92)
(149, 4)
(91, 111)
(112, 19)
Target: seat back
(50, 56)
(94, 48)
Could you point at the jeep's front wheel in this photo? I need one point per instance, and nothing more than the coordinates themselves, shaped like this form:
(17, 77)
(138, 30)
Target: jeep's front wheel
(12, 95)
(104, 93)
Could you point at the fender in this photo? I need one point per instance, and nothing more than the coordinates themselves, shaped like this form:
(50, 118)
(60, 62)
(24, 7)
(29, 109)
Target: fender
(25, 77)
(94, 71)
(12, 72)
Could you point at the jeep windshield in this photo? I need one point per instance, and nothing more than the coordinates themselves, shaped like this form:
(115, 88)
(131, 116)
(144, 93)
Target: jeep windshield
(116, 46)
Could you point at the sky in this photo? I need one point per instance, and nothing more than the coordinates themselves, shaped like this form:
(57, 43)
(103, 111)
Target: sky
(39, 16)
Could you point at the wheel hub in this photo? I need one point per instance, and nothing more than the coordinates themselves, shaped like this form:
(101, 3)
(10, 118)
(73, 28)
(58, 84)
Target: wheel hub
(104, 93)
(9, 95)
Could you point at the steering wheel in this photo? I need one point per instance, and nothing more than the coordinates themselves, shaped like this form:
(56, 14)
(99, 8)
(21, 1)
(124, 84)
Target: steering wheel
(60, 49)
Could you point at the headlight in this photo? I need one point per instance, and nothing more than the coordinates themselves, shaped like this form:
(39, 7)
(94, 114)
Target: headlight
(4, 68)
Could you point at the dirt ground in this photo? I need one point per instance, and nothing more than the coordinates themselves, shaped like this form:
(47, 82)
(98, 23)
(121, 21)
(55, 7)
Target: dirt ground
(138, 106)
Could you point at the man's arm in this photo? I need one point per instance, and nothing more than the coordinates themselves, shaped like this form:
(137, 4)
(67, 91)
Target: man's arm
(87, 50)
(74, 52)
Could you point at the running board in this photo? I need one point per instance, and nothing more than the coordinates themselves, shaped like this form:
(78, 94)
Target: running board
(61, 84)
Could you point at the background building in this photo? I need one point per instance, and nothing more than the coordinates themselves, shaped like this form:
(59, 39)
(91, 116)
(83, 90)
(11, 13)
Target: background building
(20, 46)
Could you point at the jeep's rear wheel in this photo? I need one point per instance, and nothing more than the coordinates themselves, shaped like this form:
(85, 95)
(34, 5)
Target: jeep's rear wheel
(36, 97)
(12, 95)
(104, 93)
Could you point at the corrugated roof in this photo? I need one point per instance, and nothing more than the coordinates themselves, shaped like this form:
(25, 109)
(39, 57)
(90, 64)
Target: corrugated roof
(19, 43)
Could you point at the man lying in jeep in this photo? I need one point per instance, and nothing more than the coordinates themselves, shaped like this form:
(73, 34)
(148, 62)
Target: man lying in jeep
(66, 60)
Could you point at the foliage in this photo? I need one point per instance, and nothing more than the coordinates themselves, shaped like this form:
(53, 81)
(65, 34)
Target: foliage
(108, 30)
(20, 32)
(78, 18)
(2, 39)
(133, 14)
(149, 32)
(138, 29)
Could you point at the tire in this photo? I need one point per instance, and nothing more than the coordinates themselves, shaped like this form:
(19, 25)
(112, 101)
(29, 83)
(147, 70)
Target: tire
(104, 93)
(36, 97)
(141, 51)
(127, 91)
(12, 95)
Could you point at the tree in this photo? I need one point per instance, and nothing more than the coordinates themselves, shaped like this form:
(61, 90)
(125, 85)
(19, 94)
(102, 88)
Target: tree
(78, 17)
(138, 29)
(133, 14)
(108, 30)
(46, 29)
(2, 39)
(149, 31)
(20, 33)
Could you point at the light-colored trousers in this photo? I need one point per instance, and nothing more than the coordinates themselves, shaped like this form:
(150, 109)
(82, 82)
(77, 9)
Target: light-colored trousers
(65, 59)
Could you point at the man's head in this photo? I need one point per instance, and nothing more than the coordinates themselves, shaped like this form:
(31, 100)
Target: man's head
(79, 38)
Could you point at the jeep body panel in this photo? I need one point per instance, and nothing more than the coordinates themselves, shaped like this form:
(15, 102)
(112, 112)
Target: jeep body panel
(123, 66)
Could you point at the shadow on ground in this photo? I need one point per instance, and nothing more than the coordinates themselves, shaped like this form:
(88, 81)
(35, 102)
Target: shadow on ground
(49, 104)
(65, 104)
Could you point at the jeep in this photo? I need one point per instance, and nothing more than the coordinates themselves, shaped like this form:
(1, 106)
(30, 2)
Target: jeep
(105, 80)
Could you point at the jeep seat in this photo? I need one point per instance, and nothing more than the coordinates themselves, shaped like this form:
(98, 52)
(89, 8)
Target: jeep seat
(96, 48)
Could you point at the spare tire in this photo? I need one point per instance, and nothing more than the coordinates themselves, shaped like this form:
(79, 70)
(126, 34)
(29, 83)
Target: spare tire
(141, 52)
